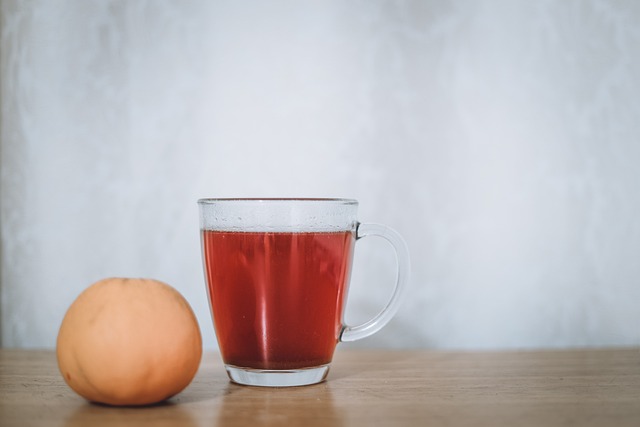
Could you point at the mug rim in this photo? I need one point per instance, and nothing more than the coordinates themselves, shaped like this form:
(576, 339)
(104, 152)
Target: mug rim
(212, 200)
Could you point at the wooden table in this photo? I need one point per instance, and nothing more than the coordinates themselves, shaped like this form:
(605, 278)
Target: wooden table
(364, 388)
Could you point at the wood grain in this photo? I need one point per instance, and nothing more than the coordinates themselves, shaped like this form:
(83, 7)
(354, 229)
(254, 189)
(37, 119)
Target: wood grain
(364, 388)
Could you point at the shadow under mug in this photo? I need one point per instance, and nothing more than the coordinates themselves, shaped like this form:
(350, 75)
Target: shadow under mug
(277, 273)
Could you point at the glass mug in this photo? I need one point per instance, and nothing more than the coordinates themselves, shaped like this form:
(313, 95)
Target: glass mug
(277, 272)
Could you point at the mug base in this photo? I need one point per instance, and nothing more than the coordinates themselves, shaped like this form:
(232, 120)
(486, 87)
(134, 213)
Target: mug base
(277, 378)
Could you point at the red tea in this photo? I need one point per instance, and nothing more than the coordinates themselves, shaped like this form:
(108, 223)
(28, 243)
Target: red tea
(277, 298)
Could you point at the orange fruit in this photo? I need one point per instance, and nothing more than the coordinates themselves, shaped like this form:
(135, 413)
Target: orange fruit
(129, 342)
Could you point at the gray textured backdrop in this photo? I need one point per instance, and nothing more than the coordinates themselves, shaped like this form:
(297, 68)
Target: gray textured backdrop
(501, 138)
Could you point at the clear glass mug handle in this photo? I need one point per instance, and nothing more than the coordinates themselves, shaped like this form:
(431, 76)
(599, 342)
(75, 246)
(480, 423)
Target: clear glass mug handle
(353, 333)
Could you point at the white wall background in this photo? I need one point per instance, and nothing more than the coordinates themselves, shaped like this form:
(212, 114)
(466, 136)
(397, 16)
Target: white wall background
(500, 137)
